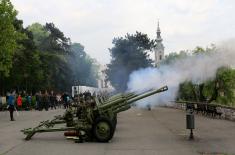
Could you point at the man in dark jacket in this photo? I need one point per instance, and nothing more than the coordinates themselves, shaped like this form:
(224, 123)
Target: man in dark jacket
(11, 105)
(52, 100)
(39, 105)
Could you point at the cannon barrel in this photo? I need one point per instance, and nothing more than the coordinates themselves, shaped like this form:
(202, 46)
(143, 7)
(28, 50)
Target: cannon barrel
(115, 96)
(123, 95)
(130, 99)
(125, 106)
(119, 99)
(139, 97)
(119, 96)
(122, 108)
(114, 104)
(117, 105)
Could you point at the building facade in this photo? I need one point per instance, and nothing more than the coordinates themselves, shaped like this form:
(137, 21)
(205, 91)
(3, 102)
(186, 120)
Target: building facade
(103, 82)
(159, 48)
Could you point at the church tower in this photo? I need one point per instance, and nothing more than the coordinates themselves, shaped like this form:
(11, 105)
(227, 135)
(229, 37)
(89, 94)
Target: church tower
(159, 49)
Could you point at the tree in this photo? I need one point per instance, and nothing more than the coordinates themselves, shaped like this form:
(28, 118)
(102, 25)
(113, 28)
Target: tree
(8, 37)
(221, 89)
(187, 91)
(84, 68)
(39, 33)
(54, 49)
(63, 63)
(39, 57)
(55, 41)
(128, 54)
(201, 50)
(26, 72)
(172, 57)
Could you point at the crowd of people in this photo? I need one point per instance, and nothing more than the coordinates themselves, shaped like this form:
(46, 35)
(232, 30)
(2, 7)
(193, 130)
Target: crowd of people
(41, 100)
(44, 100)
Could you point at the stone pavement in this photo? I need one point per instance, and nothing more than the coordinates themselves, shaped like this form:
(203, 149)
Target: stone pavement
(139, 132)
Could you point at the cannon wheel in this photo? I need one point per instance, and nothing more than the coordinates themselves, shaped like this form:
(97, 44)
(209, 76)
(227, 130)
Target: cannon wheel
(103, 129)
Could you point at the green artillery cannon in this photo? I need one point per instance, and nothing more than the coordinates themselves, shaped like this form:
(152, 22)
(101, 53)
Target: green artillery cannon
(94, 122)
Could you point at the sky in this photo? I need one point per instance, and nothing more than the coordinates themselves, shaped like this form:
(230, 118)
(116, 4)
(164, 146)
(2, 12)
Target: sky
(184, 24)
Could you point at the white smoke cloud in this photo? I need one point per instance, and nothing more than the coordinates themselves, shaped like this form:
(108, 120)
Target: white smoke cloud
(194, 68)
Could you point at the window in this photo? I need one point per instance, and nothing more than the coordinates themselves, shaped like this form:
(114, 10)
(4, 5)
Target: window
(160, 58)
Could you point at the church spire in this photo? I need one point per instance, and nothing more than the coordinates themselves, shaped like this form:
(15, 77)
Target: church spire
(159, 48)
(159, 38)
(158, 28)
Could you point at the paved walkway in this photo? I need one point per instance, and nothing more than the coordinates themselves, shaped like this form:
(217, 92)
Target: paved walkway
(139, 132)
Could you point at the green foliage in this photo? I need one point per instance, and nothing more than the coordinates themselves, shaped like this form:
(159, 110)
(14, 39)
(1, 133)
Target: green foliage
(209, 89)
(225, 79)
(187, 91)
(39, 33)
(42, 59)
(56, 71)
(201, 50)
(84, 68)
(128, 54)
(8, 36)
(221, 89)
(55, 42)
(172, 57)
(25, 73)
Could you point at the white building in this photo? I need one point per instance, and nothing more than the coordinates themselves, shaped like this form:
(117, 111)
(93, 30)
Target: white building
(103, 82)
(159, 49)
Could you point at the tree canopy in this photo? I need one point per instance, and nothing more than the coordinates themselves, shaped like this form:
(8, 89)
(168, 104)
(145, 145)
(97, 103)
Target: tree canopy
(84, 68)
(40, 57)
(8, 37)
(220, 89)
(128, 54)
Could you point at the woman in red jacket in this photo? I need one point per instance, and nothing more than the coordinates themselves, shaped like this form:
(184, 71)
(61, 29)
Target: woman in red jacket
(19, 102)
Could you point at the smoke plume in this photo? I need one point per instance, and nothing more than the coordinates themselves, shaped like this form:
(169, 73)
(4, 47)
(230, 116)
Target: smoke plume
(197, 69)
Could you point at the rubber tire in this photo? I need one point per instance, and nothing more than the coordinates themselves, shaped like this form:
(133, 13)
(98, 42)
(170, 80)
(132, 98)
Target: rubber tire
(94, 129)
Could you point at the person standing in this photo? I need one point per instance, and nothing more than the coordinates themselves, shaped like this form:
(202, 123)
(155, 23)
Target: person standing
(46, 100)
(52, 100)
(38, 97)
(19, 102)
(29, 101)
(11, 105)
(58, 100)
(64, 99)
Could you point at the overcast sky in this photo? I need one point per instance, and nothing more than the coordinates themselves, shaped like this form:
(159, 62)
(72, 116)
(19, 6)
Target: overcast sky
(94, 23)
